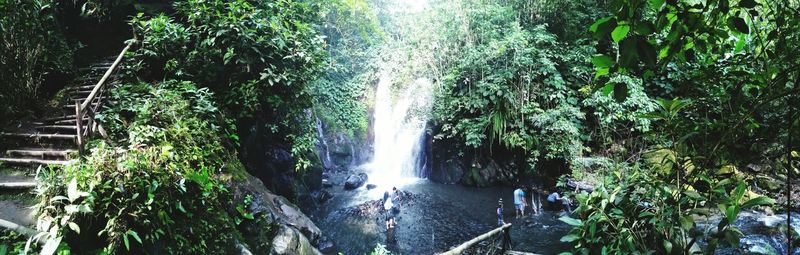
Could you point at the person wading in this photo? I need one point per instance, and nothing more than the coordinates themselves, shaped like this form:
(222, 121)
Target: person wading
(519, 202)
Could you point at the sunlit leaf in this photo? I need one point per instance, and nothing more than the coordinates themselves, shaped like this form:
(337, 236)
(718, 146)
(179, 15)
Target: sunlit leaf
(620, 32)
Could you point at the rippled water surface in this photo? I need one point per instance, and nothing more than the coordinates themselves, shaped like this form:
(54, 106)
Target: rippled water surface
(438, 217)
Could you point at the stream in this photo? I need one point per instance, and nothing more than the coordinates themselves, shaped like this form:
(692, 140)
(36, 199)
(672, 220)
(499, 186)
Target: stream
(438, 217)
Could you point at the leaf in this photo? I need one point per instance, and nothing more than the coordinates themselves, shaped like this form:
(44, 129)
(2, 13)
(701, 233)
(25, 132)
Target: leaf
(569, 238)
(620, 32)
(762, 200)
(620, 92)
(72, 190)
(738, 24)
(656, 4)
(627, 50)
(646, 52)
(645, 27)
(608, 88)
(747, 4)
(646, 214)
(74, 227)
(134, 235)
(686, 222)
(127, 243)
(50, 246)
(667, 246)
(593, 28)
(571, 221)
(602, 61)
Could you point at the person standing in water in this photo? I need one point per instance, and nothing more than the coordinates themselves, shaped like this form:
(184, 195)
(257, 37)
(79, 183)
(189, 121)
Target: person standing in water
(388, 204)
(519, 202)
(391, 207)
(499, 212)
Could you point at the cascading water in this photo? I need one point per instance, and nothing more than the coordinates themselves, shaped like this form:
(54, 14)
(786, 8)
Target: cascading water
(399, 125)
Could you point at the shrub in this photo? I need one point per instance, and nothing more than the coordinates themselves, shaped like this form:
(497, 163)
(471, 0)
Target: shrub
(158, 190)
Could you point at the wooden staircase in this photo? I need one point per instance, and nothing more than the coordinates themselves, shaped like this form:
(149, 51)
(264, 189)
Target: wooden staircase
(58, 140)
(52, 141)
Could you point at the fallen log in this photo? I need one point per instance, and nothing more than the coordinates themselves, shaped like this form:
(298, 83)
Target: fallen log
(464, 246)
(20, 229)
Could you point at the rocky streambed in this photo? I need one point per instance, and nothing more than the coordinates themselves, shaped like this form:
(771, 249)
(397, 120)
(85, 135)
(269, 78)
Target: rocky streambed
(433, 218)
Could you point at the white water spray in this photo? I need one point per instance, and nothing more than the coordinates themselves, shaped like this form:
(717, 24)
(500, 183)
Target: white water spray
(400, 120)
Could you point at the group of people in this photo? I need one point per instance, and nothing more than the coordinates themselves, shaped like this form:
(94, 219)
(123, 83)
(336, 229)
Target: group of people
(390, 207)
(554, 202)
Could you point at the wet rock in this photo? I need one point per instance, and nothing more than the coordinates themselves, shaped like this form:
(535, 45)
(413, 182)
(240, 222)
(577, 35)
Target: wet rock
(321, 196)
(327, 247)
(326, 183)
(371, 186)
(573, 184)
(374, 208)
(448, 171)
(290, 241)
(354, 181)
(242, 249)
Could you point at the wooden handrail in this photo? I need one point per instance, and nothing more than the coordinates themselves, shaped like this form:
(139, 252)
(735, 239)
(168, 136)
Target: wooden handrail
(85, 108)
(464, 246)
(102, 81)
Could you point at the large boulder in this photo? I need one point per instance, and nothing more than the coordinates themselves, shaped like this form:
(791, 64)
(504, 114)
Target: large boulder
(289, 241)
(355, 180)
(269, 211)
(448, 171)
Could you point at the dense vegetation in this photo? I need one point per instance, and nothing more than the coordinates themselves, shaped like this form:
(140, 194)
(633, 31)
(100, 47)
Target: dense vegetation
(661, 106)
(172, 132)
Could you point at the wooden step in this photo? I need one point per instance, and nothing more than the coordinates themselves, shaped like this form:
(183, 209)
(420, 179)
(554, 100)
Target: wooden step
(39, 135)
(71, 121)
(73, 106)
(60, 118)
(18, 185)
(41, 152)
(30, 161)
(57, 127)
(85, 87)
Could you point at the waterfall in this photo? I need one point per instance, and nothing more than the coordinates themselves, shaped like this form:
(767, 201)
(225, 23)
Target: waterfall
(399, 123)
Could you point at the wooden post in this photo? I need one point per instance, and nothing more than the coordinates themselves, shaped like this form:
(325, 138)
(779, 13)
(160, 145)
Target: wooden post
(79, 123)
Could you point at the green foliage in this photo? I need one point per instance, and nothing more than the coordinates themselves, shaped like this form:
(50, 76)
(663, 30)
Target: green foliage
(159, 187)
(735, 60)
(352, 36)
(13, 243)
(645, 211)
(514, 86)
(32, 48)
(258, 56)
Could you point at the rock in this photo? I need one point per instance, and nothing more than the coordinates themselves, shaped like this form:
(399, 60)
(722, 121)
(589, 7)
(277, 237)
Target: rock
(290, 241)
(448, 171)
(327, 247)
(354, 181)
(269, 210)
(371, 186)
(326, 183)
(242, 248)
(572, 184)
(321, 196)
